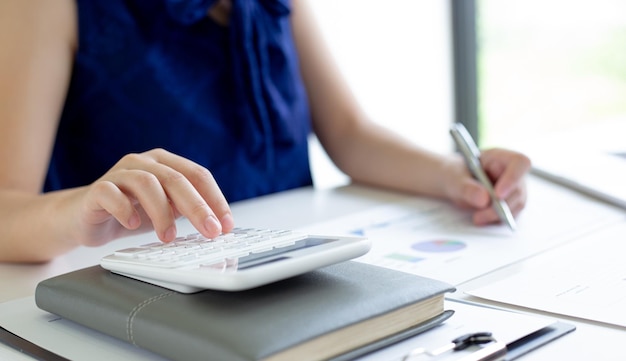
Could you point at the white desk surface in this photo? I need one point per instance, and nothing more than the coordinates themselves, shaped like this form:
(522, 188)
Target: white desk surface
(299, 208)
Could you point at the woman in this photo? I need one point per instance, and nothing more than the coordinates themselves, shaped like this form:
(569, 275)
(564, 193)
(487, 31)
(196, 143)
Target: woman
(119, 116)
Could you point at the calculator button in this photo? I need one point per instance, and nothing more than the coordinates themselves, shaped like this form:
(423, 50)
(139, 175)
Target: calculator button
(131, 252)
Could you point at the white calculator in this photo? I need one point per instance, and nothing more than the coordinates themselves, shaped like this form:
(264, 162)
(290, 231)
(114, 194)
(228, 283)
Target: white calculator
(239, 260)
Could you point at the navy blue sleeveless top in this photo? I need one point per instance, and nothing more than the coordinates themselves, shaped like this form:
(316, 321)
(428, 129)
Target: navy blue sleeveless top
(160, 73)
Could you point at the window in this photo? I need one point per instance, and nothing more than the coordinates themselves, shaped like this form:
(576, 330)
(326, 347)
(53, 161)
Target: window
(545, 66)
(396, 56)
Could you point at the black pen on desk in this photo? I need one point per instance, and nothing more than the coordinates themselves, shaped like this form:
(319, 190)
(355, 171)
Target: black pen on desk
(471, 154)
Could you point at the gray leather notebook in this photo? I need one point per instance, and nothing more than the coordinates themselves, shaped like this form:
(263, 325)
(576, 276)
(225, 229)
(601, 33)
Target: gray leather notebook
(338, 312)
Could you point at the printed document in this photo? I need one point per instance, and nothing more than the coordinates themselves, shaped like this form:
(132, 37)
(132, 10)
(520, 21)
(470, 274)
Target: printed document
(584, 279)
(435, 239)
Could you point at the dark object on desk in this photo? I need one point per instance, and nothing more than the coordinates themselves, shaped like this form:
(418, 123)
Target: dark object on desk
(26, 347)
(338, 312)
(537, 339)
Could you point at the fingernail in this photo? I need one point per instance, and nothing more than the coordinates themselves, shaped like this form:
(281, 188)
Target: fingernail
(134, 221)
(212, 225)
(227, 222)
(170, 233)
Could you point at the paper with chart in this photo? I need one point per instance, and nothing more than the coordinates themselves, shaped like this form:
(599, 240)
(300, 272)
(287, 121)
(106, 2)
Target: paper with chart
(585, 279)
(435, 239)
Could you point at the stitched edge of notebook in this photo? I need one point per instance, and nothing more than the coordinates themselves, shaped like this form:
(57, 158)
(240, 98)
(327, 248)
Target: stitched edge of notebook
(139, 307)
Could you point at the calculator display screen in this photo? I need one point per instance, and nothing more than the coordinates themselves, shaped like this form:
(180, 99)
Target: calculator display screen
(276, 254)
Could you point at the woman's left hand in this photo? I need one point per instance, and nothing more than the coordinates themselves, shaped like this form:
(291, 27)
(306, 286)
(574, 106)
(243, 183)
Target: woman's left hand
(507, 170)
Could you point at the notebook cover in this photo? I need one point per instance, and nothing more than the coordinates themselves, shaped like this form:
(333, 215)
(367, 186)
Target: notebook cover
(247, 325)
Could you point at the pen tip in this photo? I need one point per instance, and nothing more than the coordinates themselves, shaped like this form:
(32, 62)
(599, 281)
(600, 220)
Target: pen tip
(512, 225)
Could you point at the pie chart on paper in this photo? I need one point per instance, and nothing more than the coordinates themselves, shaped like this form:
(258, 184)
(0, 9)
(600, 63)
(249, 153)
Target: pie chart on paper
(439, 246)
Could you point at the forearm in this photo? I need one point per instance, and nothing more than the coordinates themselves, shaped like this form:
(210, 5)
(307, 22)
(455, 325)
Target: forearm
(32, 227)
(374, 155)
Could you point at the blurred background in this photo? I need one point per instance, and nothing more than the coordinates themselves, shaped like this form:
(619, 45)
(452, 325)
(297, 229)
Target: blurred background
(512, 70)
(545, 66)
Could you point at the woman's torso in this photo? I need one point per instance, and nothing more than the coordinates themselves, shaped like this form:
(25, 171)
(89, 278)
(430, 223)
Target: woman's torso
(151, 74)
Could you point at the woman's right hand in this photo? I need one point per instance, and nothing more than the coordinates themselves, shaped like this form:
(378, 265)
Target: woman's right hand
(150, 190)
(142, 191)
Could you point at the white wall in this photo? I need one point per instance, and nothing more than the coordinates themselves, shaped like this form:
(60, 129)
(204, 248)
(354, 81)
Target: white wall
(397, 57)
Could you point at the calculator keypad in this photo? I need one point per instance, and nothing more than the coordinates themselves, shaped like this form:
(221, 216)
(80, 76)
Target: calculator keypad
(195, 249)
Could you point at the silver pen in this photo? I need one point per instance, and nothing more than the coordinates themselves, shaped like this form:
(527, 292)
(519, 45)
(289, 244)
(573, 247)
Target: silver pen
(471, 154)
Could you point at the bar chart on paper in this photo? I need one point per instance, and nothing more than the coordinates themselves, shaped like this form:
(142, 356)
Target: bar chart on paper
(435, 239)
